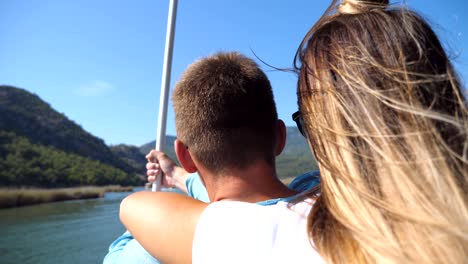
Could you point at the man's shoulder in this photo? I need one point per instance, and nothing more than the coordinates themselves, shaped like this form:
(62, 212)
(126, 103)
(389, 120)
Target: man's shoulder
(226, 225)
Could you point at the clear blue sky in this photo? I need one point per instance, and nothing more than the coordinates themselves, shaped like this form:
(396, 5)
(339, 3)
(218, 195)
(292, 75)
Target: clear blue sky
(100, 62)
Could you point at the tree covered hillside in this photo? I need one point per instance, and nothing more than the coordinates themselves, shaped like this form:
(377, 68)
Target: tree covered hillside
(25, 164)
(168, 147)
(41, 147)
(131, 155)
(27, 115)
(296, 157)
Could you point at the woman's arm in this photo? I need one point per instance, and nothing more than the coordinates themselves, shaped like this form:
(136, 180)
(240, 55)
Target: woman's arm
(164, 223)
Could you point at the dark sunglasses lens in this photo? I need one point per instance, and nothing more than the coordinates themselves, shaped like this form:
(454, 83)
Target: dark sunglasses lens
(300, 126)
(297, 117)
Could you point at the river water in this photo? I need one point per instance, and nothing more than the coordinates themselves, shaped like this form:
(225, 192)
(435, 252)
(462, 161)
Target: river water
(63, 232)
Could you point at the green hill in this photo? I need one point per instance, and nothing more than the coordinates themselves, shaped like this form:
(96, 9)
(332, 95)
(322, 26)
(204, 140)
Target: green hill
(131, 155)
(25, 164)
(296, 157)
(34, 137)
(168, 147)
(27, 115)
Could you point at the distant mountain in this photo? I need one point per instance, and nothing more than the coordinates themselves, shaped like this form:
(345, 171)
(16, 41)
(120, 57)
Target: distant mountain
(168, 147)
(131, 155)
(30, 125)
(27, 115)
(295, 159)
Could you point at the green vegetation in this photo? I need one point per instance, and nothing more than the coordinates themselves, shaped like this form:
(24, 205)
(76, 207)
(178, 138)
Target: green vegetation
(117, 188)
(40, 147)
(296, 157)
(25, 164)
(131, 155)
(28, 116)
(23, 197)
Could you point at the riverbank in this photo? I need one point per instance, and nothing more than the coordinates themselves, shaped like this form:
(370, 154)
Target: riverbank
(23, 197)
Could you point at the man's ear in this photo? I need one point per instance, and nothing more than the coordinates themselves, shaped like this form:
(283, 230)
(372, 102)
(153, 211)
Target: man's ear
(184, 156)
(280, 137)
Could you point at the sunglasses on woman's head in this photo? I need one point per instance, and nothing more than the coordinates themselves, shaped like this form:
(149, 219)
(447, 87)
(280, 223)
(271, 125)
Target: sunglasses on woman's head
(297, 117)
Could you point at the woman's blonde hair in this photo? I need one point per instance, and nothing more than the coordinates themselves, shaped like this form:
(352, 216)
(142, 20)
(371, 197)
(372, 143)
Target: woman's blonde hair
(388, 123)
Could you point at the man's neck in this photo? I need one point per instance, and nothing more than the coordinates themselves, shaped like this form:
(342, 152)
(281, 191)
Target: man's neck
(254, 184)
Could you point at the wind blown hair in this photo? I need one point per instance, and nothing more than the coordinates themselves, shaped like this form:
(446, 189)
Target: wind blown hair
(388, 123)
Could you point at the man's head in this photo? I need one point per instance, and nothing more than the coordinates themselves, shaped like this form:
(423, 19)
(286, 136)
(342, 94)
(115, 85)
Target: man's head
(225, 112)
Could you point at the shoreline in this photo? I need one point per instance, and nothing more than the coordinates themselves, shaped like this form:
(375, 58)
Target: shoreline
(16, 197)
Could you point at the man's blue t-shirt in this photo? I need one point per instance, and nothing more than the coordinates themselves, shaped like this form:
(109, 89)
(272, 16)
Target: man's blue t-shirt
(125, 249)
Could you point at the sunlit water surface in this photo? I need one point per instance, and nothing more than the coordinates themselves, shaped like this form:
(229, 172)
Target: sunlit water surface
(63, 232)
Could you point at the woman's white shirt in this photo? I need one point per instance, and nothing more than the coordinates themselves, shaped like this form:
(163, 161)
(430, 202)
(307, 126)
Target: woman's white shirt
(238, 232)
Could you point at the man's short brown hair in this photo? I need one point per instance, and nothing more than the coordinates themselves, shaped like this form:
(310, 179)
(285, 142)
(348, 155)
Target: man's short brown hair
(225, 112)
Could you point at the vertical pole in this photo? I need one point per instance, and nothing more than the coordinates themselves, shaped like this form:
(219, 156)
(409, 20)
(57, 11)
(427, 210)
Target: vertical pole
(165, 83)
